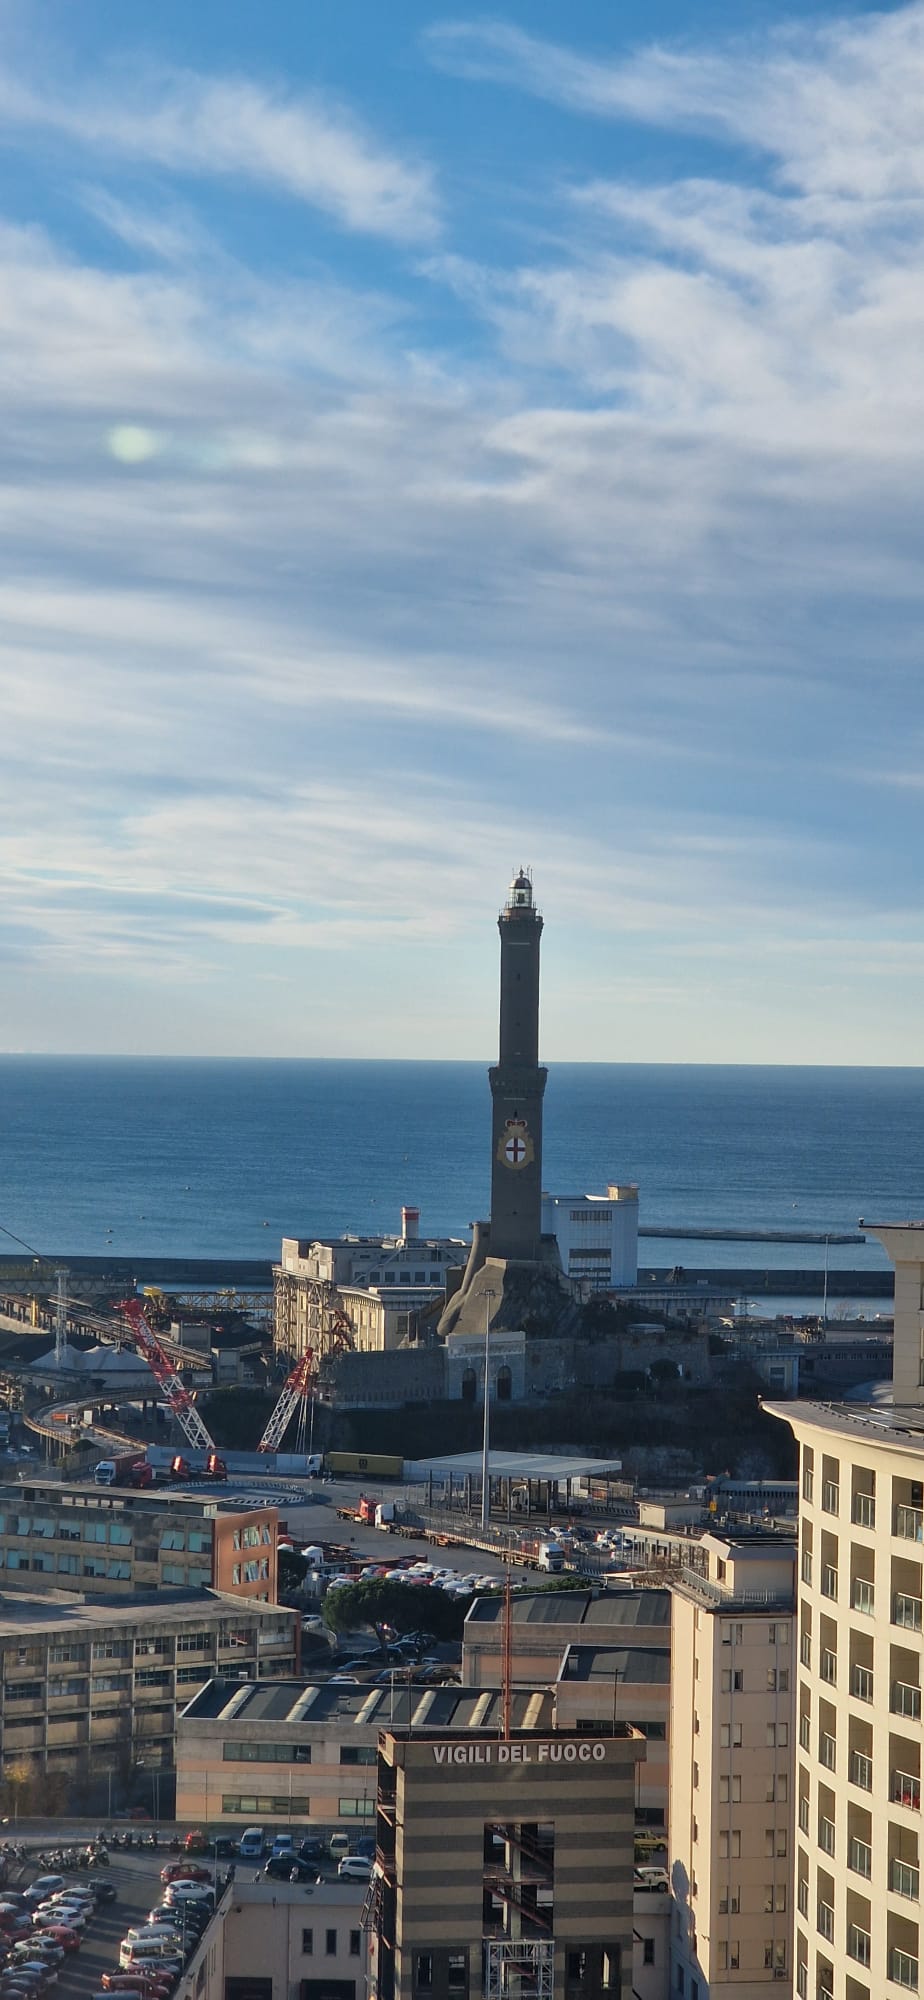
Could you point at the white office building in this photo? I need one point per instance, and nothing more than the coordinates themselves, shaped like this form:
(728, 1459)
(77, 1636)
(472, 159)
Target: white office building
(597, 1234)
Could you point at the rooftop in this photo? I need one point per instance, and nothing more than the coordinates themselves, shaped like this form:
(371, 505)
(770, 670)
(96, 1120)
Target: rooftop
(441, 1708)
(628, 1664)
(899, 1425)
(572, 1607)
(65, 1610)
(73, 1493)
(514, 1465)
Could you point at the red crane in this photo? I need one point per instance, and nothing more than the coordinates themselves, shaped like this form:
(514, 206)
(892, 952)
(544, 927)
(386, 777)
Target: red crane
(175, 1393)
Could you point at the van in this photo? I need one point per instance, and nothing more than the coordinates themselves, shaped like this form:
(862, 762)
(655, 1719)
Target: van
(135, 1953)
(252, 1844)
(338, 1846)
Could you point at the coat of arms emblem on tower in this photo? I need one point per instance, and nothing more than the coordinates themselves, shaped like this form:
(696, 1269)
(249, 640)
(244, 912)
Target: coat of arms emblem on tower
(515, 1147)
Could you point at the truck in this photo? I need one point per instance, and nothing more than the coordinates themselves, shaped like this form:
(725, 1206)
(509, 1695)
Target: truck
(375, 1466)
(212, 1472)
(129, 1469)
(539, 1554)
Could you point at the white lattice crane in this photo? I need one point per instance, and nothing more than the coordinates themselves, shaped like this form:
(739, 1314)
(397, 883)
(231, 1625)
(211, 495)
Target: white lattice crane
(174, 1392)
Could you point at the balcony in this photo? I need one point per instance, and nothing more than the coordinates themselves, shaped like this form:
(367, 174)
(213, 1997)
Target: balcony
(861, 1770)
(906, 1611)
(861, 1683)
(864, 1510)
(909, 1523)
(906, 1699)
(905, 1790)
(829, 1668)
(858, 1944)
(830, 1496)
(826, 1921)
(860, 1857)
(827, 1752)
(829, 1578)
(903, 1969)
(826, 1835)
(863, 1595)
(905, 1880)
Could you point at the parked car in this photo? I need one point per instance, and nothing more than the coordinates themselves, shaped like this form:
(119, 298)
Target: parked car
(184, 1871)
(43, 1887)
(196, 1842)
(290, 1868)
(355, 1868)
(223, 1847)
(103, 1892)
(64, 1935)
(284, 1844)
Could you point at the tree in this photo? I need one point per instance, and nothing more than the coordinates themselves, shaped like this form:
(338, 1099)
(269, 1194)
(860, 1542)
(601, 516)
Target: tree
(387, 1605)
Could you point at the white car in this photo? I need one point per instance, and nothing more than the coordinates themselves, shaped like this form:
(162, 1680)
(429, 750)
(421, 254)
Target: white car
(354, 1868)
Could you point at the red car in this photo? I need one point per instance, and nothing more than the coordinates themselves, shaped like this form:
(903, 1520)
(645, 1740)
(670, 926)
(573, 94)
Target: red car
(68, 1939)
(149, 1985)
(184, 1871)
(195, 1842)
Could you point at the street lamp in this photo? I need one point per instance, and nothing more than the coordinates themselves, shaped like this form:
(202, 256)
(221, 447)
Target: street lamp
(486, 1435)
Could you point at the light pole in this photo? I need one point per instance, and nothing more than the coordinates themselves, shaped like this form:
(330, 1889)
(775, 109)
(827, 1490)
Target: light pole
(486, 1435)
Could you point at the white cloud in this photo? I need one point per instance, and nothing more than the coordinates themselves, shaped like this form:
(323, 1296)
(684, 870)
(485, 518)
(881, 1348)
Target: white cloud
(355, 621)
(229, 127)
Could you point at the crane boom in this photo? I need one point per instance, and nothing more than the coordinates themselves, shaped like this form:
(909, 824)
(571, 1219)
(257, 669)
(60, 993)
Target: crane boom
(175, 1394)
(295, 1387)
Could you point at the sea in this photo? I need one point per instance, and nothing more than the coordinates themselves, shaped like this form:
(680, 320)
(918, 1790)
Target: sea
(221, 1158)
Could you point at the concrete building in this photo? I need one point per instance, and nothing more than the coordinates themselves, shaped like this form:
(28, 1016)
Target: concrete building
(732, 1705)
(538, 1900)
(597, 1234)
(627, 1684)
(545, 1626)
(282, 1941)
(385, 1317)
(861, 1672)
(114, 1542)
(311, 1274)
(89, 1687)
(307, 1755)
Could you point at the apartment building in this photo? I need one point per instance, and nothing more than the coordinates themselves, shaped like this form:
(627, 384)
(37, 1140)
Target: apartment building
(280, 1941)
(538, 1898)
(114, 1542)
(731, 1785)
(861, 1587)
(544, 1626)
(89, 1687)
(308, 1754)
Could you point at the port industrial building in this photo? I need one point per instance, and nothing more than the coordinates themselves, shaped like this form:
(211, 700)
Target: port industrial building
(114, 1543)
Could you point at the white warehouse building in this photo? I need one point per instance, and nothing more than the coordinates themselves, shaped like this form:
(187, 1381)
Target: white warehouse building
(597, 1234)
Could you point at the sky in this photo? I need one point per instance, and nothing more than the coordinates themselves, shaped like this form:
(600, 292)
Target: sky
(436, 442)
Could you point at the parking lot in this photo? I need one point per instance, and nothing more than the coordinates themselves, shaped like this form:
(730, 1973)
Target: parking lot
(136, 1880)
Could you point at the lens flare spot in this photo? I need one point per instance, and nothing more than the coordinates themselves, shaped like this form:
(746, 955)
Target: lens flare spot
(131, 444)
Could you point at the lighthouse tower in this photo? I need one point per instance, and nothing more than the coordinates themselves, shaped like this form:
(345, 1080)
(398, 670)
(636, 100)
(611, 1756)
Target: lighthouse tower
(517, 1083)
(513, 1274)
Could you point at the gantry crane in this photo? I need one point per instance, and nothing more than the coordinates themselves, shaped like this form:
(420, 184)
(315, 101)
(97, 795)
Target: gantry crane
(174, 1392)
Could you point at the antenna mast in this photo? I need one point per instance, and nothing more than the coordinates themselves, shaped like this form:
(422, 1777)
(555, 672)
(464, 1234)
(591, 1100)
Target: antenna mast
(507, 1669)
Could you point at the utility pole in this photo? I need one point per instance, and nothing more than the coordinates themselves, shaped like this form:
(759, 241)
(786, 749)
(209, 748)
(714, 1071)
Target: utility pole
(486, 1436)
(61, 1318)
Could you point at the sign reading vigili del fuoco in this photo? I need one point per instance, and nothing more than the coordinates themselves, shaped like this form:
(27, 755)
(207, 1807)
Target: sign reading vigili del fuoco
(519, 1753)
